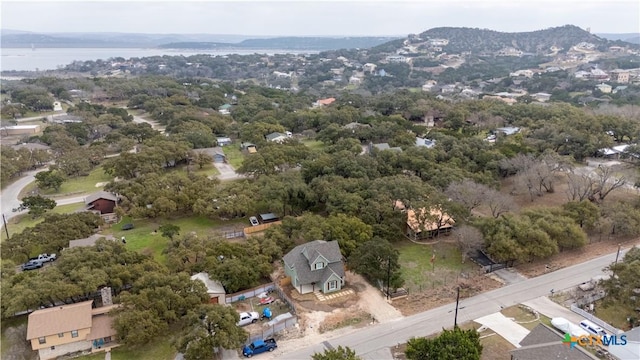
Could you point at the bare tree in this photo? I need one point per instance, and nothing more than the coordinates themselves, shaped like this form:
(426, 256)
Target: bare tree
(580, 186)
(537, 175)
(468, 193)
(469, 239)
(499, 203)
(606, 182)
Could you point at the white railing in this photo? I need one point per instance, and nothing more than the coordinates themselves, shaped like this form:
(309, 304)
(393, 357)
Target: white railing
(596, 320)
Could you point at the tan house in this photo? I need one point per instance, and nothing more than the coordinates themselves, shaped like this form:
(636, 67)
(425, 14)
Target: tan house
(69, 329)
(619, 76)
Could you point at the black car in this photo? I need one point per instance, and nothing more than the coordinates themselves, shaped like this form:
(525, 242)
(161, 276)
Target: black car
(127, 226)
(31, 265)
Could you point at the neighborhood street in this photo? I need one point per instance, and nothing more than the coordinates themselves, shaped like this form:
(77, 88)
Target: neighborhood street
(376, 338)
(9, 196)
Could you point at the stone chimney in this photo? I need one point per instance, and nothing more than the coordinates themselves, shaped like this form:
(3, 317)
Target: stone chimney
(105, 292)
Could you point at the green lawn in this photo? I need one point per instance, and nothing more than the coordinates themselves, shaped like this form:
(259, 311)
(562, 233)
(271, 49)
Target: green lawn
(207, 170)
(420, 273)
(160, 349)
(235, 157)
(143, 239)
(19, 223)
(74, 186)
(314, 144)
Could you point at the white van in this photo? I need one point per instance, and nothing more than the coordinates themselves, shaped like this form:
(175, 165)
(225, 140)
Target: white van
(592, 328)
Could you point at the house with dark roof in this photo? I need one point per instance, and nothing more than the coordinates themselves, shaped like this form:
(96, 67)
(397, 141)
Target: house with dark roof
(103, 203)
(216, 153)
(382, 147)
(545, 343)
(315, 266)
(66, 329)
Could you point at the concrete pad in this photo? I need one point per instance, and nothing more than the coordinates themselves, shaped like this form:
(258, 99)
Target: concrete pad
(505, 327)
(547, 307)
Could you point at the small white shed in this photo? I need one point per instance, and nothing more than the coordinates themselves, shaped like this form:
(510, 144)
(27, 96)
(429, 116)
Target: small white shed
(214, 288)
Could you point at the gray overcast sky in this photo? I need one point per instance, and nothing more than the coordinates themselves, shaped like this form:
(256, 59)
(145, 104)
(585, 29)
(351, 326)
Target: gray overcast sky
(269, 17)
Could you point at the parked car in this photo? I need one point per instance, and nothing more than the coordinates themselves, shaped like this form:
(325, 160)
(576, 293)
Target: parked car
(44, 258)
(127, 226)
(592, 328)
(32, 265)
(258, 347)
(254, 221)
(247, 318)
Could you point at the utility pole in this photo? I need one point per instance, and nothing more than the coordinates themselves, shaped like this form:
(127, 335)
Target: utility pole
(455, 319)
(616, 263)
(388, 276)
(6, 229)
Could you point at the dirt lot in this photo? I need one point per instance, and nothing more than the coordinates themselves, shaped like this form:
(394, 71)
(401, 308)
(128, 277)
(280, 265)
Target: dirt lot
(337, 316)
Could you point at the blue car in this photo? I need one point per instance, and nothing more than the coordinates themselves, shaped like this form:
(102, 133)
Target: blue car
(258, 347)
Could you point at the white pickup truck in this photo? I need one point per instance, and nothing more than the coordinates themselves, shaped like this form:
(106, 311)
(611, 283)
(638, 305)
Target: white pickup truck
(43, 258)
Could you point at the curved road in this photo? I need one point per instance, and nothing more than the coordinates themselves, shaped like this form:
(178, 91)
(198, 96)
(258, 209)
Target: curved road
(372, 341)
(9, 195)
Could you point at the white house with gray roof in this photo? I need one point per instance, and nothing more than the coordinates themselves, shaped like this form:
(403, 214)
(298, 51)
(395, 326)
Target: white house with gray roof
(315, 266)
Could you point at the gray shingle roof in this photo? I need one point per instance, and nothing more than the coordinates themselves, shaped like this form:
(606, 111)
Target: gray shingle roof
(539, 335)
(275, 135)
(329, 250)
(100, 195)
(545, 343)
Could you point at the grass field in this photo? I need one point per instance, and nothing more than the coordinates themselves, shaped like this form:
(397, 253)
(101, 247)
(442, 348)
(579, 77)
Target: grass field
(525, 318)
(143, 237)
(19, 223)
(74, 186)
(314, 144)
(418, 270)
(235, 157)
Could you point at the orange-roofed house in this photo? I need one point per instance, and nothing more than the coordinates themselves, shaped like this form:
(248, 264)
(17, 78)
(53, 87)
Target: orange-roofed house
(324, 102)
(425, 225)
(69, 329)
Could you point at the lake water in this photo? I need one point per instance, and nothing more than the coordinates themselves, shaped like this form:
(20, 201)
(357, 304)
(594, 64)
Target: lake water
(52, 58)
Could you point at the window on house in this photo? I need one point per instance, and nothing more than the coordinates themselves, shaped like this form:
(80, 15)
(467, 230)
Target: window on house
(74, 333)
(60, 334)
(318, 266)
(333, 285)
(42, 340)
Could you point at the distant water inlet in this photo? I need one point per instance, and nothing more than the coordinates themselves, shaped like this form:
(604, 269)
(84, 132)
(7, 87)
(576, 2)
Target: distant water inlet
(32, 59)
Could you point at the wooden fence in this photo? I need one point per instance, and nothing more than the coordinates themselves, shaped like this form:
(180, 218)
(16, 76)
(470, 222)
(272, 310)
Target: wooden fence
(261, 227)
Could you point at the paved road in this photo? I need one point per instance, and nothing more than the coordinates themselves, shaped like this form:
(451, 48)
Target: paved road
(49, 117)
(9, 195)
(378, 337)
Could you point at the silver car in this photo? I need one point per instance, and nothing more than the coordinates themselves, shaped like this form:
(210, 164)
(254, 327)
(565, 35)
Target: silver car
(254, 221)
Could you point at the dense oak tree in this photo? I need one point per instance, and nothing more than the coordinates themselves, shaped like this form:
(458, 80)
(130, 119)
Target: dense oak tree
(51, 235)
(453, 344)
(36, 204)
(209, 327)
(377, 260)
(340, 353)
(156, 301)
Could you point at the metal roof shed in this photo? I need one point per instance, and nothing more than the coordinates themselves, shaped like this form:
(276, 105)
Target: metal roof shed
(269, 217)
